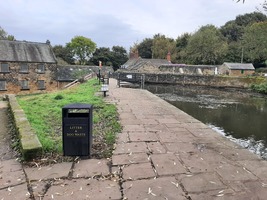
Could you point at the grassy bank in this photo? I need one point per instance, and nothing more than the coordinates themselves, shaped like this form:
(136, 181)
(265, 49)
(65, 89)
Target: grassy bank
(44, 112)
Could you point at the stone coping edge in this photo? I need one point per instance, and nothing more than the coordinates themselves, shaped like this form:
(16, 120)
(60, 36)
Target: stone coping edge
(30, 144)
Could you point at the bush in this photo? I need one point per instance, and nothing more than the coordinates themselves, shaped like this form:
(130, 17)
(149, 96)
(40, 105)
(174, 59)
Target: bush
(261, 88)
(58, 97)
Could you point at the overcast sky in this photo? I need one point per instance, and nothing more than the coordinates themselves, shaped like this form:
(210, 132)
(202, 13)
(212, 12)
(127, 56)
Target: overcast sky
(114, 22)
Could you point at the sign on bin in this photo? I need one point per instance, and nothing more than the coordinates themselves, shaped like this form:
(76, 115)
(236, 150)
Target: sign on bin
(77, 122)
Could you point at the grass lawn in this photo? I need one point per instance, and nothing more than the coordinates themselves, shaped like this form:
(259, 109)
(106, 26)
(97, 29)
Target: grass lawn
(44, 112)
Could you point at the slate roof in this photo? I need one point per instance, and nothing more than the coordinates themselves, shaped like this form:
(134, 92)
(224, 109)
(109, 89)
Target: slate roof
(23, 51)
(239, 66)
(136, 63)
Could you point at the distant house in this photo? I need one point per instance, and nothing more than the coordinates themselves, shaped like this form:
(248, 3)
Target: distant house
(236, 69)
(26, 67)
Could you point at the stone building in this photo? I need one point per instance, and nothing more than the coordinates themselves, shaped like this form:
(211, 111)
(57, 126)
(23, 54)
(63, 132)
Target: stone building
(236, 69)
(27, 67)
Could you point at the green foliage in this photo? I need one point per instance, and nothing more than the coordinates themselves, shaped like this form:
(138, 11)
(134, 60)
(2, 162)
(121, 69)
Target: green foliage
(145, 48)
(162, 45)
(115, 57)
(64, 53)
(233, 30)
(44, 114)
(118, 57)
(102, 54)
(234, 52)
(261, 88)
(255, 42)
(58, 97)
(82, 48)
(4, 35)
(181, 45)
(206, 46)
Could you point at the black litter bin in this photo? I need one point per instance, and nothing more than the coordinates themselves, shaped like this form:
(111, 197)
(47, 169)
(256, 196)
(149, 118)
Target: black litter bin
(77, 122)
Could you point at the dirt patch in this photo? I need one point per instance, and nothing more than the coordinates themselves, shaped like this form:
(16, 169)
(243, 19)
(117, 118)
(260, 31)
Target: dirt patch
(6, 152)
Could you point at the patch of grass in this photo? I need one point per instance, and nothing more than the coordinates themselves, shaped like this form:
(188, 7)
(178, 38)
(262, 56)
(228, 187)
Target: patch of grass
(44, 112)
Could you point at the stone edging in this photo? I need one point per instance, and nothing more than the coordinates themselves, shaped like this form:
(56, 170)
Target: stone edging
(30, 144)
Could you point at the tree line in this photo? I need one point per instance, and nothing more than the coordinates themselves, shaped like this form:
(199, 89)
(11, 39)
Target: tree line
(241, 40)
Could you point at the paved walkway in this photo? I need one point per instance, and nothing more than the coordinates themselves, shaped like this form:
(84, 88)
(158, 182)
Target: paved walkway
(162, 153)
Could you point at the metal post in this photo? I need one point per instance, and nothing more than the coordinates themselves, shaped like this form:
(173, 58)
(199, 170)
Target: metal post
(118, 82)
(99, 76)
(142, 81)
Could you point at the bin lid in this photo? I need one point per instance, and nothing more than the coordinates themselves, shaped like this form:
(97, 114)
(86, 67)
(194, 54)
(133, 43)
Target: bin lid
(78, 106)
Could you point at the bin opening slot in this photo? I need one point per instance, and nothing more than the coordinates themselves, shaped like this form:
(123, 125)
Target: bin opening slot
(78, 113)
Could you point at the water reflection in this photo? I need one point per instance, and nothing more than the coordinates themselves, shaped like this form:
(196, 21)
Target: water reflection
(239, 115)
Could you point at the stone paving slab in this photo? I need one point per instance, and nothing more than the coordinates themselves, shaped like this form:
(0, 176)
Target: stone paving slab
(156, 148)
(15, 192)
(230, 172)
(133, 127)
(181, 147)
(127, 159)
(138, 136)
(39, 188)
(90, 168)
(237, 154)
(171, 136)
(84, 189)
(167, 164)
(159, 188)
(138, 171)
(11, 173)
(257, 168)
(60, 170)
(129, 148)
(201, 182)
(122, 138)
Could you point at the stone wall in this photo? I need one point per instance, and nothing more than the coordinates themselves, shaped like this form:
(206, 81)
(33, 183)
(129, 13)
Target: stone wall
(200, 80)
(29, 142)
(189, 69)
(241, 73)
(14, 77)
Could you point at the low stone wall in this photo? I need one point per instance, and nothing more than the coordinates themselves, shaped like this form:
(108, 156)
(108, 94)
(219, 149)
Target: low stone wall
(200, 80)
(30, 144)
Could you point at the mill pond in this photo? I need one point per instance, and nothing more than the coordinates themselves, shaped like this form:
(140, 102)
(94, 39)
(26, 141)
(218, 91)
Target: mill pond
(237, 114)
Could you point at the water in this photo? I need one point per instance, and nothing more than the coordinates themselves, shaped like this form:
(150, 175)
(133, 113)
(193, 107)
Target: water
(238, 115)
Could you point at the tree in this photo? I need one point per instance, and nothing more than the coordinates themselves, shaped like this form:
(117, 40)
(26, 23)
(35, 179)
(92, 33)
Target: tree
(206, 46)
(82, 48)
(102, 54)
(118, 57)
(145, 48)
(255, 42)
(115, 57)
(162, 45)
(4, 35)
(64, 53)
(181, 44)
(234, 53)
(234, 29)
